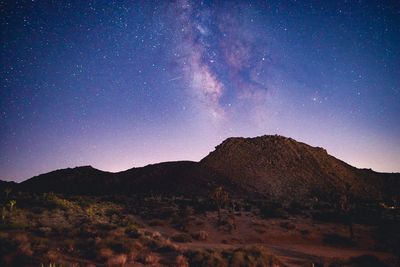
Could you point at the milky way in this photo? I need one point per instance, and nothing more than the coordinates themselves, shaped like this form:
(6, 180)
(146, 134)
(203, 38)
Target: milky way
(118, 84)
(223, 60)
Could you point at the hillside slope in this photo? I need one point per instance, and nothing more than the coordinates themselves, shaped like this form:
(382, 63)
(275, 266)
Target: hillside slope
(282, 168)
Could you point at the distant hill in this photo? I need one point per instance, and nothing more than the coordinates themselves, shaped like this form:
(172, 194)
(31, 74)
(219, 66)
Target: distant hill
(272, 167)
(170, 178)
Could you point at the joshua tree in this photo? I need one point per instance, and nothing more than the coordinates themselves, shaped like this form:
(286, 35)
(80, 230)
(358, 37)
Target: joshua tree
(346, 203)
(12, 204)
(220, 197)
(3, 214)
(7, 191)
(183, 218)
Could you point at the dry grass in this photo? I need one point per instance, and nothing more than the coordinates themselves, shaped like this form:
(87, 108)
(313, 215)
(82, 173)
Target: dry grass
(113, 231)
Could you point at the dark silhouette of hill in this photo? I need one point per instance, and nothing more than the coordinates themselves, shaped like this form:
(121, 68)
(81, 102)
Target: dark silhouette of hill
(275, 167)
(79, 180)
(171, 178)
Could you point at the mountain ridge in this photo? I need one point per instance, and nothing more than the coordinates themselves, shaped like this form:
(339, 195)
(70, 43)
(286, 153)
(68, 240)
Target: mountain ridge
(271, 166)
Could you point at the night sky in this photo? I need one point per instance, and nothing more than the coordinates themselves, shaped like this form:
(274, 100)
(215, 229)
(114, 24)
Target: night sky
(118, 84)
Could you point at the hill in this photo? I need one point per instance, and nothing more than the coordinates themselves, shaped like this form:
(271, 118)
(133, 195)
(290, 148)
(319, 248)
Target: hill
(282, 168)
(274, 167)
(167, 178)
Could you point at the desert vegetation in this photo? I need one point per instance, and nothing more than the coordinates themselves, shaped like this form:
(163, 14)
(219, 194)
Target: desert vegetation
(115, 230)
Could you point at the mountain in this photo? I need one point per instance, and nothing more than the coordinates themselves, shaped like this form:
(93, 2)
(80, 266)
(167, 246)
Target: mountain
(273, 167)
(279, 167)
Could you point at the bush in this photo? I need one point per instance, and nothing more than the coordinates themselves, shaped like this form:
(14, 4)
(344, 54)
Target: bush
(272, 210)
(200, 258)
(252, 256)
(181, 238)
(338, 240)
(200, 235)
(366, 261)
(360, 261)
(330, 216)
(133, 231)
(148, 258)
(287, 225)
(295, 208)
(54, 201)
(162, 245)
(181, 261)
(15, 251)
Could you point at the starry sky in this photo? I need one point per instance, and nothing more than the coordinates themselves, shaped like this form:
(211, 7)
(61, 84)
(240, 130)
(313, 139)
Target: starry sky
(118, 84)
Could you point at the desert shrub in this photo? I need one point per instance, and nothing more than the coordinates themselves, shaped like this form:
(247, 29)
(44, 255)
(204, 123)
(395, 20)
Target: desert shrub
(331, 216)
(200, 258)
(247, 207)
(272, 210)
(118, 245)
(166, 212)
(367, 215)
(43, 231)
(387, 235)
(259, 230)
(69, 245)
(322, 205)
(295, 208)
(201, 206)
(128, 220)
(181, 238)
(252, 257)
(181, 261)
(133, 231)
(105, 226)
(15, 251)
(54, 201)
(87, 247)
(360, 261)
(338, 240)
(366, 261)
(83, 201)
(200, 235)
(38, 210)
(183, 218)
(87, 231)
(147, 257)
(104, 253)
(287, 225)
(156, 222)
(162, 245)
(304, 232)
